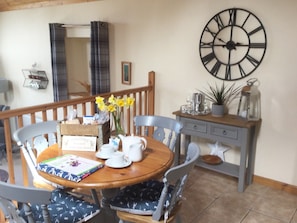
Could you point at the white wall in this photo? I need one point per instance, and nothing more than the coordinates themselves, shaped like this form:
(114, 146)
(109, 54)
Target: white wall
(164, 36)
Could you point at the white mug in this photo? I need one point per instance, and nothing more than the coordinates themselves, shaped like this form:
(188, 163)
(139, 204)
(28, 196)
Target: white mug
(136, 152)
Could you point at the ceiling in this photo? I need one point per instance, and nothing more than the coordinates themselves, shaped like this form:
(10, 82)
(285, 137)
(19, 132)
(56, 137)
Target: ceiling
(9, 5)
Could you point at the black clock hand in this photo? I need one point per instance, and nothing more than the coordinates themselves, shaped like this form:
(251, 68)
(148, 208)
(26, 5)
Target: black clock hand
(240, 44)
(223, 45)
(221, 40)
(231, 36)
(230, 45)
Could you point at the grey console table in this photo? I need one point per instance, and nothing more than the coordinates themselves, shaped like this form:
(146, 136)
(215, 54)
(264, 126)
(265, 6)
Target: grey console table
(229, 129)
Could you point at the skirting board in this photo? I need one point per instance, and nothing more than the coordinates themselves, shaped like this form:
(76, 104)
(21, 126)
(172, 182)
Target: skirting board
(275, 184)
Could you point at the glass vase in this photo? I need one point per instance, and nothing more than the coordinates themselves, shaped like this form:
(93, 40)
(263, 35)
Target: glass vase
(118, 124)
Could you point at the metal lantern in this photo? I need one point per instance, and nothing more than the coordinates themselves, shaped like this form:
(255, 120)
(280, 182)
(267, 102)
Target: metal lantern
(249, 104)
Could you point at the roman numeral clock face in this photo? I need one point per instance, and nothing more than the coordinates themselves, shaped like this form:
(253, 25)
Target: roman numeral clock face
(232, 44)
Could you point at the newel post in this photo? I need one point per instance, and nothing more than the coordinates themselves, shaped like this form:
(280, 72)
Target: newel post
(151, 93)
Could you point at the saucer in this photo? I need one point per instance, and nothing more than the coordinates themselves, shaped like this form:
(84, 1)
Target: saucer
(103, 156)
(112, 164)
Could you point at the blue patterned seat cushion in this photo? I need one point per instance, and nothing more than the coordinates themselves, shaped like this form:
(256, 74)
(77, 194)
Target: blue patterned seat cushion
(64, 208)
(140, 198)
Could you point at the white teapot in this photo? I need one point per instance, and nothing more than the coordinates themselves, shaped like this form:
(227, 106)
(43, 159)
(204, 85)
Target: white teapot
(132, 142)
(136, 152)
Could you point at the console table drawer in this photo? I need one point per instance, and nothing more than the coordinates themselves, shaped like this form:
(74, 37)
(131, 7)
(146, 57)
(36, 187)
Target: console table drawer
(196, 126)
(225, 132)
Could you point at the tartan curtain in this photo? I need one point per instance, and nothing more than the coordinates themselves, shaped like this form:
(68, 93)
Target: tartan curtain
(100, 74)
(58, 56)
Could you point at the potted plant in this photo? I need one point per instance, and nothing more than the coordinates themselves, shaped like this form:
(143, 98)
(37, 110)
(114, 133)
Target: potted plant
(221, 96)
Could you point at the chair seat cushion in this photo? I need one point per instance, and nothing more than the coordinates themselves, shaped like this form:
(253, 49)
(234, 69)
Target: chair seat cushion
(65, 208)
(140, 198)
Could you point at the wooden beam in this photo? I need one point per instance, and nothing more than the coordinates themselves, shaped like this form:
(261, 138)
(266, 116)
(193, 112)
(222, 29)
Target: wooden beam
(9, 5)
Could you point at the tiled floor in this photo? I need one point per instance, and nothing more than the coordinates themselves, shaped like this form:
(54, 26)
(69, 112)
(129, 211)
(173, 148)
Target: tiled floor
(211, 197)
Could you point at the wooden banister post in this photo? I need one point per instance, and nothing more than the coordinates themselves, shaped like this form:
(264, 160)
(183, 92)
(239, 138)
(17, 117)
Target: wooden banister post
(9, 150)
(151, 98)
(151, 93)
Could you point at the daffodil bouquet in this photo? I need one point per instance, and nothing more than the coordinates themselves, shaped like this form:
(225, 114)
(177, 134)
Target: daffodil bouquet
(114, 105)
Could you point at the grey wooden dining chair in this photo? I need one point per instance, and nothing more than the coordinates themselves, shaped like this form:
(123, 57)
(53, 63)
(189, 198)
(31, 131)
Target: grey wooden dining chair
(33, 139)
(40, 205)
(154, 200)
(164, 129)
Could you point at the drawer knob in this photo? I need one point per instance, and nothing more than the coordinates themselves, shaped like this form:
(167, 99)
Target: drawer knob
(224, 132)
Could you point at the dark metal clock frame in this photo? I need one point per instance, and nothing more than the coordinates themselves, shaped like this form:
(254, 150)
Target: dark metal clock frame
(233, 44)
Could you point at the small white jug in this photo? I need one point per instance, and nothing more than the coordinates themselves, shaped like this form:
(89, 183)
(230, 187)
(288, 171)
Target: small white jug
(136, 152)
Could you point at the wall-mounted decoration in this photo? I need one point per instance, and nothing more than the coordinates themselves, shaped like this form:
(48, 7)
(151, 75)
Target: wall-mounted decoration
(35, 79)
(126, 72)
(233, 44)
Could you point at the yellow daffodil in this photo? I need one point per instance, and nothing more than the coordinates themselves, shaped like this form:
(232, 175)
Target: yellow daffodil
(101, 106)
(111, 99)
(120, 102)
(99, 100)
(130, 101)
(111, 108)
(114, 106)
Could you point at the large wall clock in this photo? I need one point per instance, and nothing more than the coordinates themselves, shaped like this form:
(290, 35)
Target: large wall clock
(232, 44)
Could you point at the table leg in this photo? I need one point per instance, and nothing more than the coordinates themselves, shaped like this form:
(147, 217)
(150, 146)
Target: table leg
(252, 154)
(177, 151)
(177, 147)
(243, 159)
(107, 214)
(187, 142)
(95, 197)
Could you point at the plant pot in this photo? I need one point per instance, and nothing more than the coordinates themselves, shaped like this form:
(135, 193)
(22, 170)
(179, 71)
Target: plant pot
(217, 110)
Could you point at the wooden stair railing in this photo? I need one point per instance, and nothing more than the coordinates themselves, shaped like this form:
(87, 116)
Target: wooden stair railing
(144, 105)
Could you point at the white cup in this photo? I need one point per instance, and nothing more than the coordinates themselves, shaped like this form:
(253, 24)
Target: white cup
(107, 149)
(118, 158)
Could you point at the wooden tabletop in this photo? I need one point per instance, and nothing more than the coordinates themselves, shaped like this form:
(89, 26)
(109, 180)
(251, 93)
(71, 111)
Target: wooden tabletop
(157, 159)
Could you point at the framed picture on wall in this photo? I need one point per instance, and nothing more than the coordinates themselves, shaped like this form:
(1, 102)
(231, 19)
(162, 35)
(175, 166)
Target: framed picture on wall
(126, 72)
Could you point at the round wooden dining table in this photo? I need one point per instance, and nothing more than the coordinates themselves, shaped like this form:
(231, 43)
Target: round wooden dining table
(157, 159)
